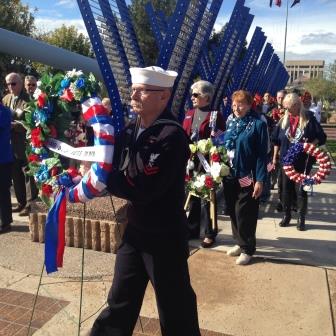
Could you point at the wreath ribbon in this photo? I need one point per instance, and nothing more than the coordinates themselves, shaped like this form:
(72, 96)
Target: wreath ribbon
(91, 185)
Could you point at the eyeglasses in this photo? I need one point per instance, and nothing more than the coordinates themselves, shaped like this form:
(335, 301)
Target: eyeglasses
(196, 95)
(11, 84)
(31, 84)
(143, 92)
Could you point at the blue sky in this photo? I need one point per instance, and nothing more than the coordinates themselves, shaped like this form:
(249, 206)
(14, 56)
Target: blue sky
(311, 24)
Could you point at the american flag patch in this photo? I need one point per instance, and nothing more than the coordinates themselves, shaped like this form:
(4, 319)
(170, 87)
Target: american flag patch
(269, 167)
(245, 181)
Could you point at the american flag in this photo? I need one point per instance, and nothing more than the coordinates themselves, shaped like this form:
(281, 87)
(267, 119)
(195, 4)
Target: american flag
(269, 167)
(217, 133)
(245, 181)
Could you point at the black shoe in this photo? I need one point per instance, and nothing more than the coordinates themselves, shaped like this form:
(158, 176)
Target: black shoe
(205, 244)
(301, 226)
(18, 208)
(4, 229)
(25, 211)
(279, 207)
(285, 221)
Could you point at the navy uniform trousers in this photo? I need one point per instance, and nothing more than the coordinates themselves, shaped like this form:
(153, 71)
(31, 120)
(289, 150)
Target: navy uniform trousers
(169, 275)
(243, 212)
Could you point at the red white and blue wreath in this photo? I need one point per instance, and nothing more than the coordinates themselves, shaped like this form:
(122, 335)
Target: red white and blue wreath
(52, 125)
(307, 181)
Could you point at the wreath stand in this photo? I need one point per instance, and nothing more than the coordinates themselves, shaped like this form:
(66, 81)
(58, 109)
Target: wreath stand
(213, 210)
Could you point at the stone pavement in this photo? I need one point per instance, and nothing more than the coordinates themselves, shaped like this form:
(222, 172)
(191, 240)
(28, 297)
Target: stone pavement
(289, 288)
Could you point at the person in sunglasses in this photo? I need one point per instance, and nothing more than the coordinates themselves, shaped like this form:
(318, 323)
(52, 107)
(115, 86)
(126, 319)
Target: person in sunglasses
(30, 84)
(297, 125)
(197, 126)
(24, 185)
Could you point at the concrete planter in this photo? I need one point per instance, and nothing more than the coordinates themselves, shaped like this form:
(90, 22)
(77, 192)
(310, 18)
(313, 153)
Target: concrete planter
(100, 233)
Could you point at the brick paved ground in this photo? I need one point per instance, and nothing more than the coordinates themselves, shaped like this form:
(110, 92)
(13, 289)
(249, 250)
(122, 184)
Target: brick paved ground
(151, 327)
(16, 308)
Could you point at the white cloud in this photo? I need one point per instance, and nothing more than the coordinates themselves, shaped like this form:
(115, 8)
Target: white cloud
(319, 38)
(46, 24)
(67, 3)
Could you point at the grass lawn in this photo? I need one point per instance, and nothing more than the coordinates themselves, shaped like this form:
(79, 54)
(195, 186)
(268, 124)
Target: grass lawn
(331, 145)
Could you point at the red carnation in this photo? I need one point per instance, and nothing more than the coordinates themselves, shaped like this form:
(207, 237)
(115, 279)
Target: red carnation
(36, 137)
(187, 178)
(33, 158)
(215, 157)
(73, 172)
(53, 132)
(53, 171)
(208, 182)
(47, 189)
(41, 100)
(67, 95)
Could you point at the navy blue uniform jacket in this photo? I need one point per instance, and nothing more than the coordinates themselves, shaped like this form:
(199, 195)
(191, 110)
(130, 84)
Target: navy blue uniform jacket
(153, 182)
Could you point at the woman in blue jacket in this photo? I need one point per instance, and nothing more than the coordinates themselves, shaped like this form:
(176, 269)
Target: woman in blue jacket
(6, 159)
(246, 141)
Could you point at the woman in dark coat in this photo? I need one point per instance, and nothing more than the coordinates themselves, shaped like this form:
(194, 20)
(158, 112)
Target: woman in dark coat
(295, 126)
(197, 125)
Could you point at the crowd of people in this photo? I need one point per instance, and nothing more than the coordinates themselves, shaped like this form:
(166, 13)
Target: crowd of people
(149, 163)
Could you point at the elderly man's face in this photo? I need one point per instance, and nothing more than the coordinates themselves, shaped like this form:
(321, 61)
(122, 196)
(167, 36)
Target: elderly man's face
(280, 98)
(30, 86)
(146, 99)
(14, 84)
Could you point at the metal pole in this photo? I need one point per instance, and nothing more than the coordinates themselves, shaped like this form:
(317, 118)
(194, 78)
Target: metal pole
(284, 55)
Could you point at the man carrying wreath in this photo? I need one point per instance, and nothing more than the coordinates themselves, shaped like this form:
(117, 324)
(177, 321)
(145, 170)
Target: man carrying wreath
(149, 168)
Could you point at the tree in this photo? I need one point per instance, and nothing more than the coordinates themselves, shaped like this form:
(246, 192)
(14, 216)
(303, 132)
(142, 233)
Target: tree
(331, 72)
(142, 28)
(15, 17)
(321, 88)
(66, 37)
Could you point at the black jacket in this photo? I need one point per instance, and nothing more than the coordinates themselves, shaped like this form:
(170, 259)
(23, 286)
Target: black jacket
(153, 182)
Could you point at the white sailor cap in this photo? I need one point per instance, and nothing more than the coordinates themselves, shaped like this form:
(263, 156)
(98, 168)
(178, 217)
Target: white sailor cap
(153, 75)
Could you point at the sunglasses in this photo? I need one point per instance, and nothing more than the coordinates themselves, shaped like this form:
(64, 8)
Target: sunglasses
(11, 84)
(196, 95)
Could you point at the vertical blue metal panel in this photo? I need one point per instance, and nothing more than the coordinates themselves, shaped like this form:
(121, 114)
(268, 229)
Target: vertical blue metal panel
(97, 45)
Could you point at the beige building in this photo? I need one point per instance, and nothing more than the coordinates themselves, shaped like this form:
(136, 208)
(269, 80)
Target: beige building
(300, 71)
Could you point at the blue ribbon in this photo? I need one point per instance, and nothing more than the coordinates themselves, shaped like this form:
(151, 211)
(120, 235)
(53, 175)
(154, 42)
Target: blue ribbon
(51, 234)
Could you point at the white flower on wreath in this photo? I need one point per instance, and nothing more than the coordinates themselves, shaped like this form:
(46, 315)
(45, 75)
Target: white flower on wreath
(199, 183)
(37, 93)
(204, 145)
(74, 73)
(215, 171)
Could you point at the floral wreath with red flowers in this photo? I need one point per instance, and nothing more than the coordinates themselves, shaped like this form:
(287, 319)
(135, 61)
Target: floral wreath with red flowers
(206, 168)
(55, 113)
(321, 157)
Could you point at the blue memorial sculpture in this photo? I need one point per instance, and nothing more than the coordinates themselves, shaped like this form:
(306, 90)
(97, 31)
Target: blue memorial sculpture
(116, 48)
(245, 67)
(259, 70)
(182, 42)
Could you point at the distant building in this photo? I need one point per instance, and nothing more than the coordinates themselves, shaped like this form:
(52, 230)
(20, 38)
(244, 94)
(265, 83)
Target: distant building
(300, 71)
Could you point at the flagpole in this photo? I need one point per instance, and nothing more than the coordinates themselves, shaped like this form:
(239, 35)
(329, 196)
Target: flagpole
(284, 55)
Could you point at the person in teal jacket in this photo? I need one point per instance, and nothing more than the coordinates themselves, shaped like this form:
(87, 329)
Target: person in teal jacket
(246, 141)
(6, 159)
